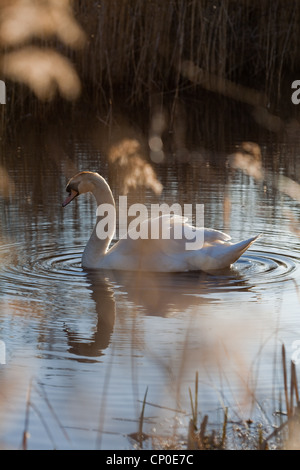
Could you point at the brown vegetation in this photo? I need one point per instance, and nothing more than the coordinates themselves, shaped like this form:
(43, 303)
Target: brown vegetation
(240, 49)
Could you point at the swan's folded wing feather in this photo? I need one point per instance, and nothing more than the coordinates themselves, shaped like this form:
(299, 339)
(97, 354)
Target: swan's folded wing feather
(168, 235)
(215, 236)
(170, 252)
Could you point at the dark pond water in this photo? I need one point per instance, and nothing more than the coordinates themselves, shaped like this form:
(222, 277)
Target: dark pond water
(86, 347)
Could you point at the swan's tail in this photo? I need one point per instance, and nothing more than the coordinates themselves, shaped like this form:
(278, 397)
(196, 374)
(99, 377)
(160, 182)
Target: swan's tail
(235, 251)
(224, 255)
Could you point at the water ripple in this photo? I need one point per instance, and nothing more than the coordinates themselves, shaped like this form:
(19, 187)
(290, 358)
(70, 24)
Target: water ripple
(264, 268)
(21, 273)
(63, 265)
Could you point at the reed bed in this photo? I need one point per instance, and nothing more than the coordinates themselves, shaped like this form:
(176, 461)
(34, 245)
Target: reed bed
(141, 46)
(145, 50)
(247, 434)
(201, 434)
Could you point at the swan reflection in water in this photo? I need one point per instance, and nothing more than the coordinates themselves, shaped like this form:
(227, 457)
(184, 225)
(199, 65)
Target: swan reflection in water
(102, 294)
(151, 294)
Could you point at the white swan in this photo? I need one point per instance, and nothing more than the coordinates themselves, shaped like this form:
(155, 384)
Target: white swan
(157, 255)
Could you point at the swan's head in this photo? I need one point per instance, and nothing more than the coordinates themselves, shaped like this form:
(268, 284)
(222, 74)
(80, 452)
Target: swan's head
(83, 182)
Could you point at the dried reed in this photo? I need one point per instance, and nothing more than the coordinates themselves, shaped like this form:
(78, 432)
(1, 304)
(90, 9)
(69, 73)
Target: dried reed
(292, 424)
(143, 48)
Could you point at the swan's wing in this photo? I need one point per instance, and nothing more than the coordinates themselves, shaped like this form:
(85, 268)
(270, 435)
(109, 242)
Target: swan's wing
(154, 237)
(168, 249)
(164, 233)
(189, 231)
(180, 225)
(215, 236)
(170, 235)
(171, 253)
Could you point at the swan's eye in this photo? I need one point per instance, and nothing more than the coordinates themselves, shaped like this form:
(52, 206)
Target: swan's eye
(72, 187)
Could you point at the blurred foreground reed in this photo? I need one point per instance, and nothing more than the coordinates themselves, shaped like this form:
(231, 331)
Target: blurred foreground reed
(245, 434)
(201, 434)
(244, 50)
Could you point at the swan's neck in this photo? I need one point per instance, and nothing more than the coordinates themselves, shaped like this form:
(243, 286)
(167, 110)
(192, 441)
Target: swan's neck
(104, 229)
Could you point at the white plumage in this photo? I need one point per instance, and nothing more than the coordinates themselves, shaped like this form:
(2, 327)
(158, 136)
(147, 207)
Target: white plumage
(159, 254)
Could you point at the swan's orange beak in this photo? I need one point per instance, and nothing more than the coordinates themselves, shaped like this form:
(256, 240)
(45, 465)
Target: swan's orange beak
(70, 198)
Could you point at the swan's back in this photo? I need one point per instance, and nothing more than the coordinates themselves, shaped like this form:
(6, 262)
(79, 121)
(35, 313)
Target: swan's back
(170, 254)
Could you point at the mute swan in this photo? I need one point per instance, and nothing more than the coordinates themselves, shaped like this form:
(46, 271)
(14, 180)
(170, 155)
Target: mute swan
(157, 255)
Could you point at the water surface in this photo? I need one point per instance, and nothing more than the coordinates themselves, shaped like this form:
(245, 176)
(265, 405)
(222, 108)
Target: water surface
(83, 348)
